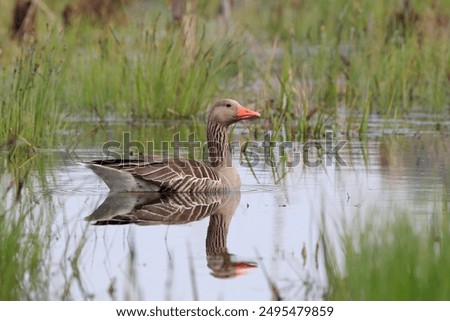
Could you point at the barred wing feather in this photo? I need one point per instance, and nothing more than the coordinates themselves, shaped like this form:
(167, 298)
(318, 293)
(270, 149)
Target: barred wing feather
(158, 174)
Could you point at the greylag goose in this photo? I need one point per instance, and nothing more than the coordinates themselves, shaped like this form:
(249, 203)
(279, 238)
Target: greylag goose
(163, 174)
(180, 208)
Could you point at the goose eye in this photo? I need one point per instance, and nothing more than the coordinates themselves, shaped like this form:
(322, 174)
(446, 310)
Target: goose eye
(228, 105)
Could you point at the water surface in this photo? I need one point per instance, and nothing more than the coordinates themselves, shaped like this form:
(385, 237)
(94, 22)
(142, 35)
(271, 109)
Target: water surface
(265, 241)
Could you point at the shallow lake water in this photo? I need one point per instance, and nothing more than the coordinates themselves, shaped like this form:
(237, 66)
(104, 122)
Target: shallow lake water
(266, 243)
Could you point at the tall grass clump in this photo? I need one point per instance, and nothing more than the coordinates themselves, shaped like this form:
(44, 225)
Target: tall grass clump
(26, 213)
(396, 261)
(155, 69)
(334, 62)
(356, 58)
(24, 241)
(149, 67)
(306, 97)
(30, 113)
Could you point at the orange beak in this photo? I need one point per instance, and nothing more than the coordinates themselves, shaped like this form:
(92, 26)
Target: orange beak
(244, 113)
(242, 267)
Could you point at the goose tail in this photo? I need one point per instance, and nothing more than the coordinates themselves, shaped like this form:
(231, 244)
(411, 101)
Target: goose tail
(121, 181)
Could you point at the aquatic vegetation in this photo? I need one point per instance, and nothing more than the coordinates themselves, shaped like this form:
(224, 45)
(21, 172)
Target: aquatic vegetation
(307, 64)
(354, 58)
(26, 218)
(151, 71)
(395, 261)
(29, 111)
(24, 241)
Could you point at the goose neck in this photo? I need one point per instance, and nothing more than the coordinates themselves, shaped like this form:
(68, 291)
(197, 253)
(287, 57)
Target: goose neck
(217, 144)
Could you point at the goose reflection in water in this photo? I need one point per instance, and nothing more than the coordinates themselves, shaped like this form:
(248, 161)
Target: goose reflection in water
(180, 208)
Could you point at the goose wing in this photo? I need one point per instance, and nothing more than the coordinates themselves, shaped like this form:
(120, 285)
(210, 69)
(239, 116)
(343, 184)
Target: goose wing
(168, 174)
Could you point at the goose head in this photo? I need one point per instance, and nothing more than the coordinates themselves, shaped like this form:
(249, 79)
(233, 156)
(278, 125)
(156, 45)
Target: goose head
(228, 111)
